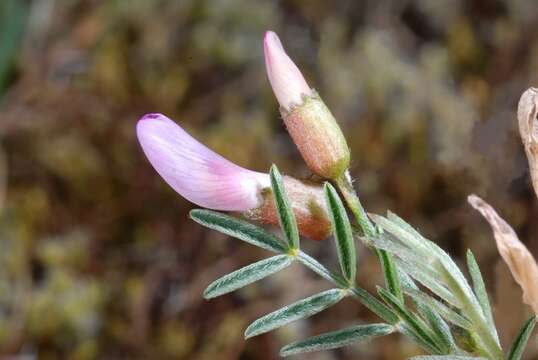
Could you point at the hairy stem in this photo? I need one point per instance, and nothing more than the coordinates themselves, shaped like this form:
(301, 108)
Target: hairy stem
(390, 272)
(367, 299)
(354, 204)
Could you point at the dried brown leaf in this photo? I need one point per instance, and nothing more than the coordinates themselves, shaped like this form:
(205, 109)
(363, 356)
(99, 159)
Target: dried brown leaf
(518, 258)
(528, 129)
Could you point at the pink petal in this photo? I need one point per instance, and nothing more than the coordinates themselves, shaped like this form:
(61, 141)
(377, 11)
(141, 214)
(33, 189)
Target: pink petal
(286, 79)
(196, 172)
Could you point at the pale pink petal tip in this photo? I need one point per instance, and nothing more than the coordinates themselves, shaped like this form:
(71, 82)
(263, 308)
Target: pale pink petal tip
(195, 171)
(285, 77)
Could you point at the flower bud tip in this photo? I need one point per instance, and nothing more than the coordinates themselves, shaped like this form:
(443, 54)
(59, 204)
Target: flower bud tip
(285, 77)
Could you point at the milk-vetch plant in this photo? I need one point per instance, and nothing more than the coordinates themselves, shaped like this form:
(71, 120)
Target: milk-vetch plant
(426, 297)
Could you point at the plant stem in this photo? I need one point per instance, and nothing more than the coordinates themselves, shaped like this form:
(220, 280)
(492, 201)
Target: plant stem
(490, 346)
(352, 200)
(390, 272)
(367, 299)
(475, 314)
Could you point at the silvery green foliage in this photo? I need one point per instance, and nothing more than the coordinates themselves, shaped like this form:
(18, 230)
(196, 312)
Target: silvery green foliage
(345, 244)
(285, 214)
(445, 357)
(238, 229)
(452, 321)
(247, 275)
(336, 339)
(521, 341)
(429, 265)
(479, 288)
(298, 310)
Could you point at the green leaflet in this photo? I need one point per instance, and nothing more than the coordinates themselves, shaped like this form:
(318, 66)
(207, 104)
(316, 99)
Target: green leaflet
(395, 247)
(440, 328)
(247, 275)
(451, 279)
(436, 256)
(336, 339)
(298, 310)
(424, 277)
(411, 261)
(444, 311)
(403, 234)
(521, 341)
(390, 273)
(485, 335)
(286, 217)
(343, 236)
(352, 200)
(414, 323)
(445, 357)
(239, 229)
(367, 299)
(421, 246)
(480, 288)
(403, 224)
(427, 346)
(404, 254)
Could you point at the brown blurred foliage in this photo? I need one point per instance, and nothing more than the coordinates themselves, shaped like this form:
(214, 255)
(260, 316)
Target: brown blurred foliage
(97, 256)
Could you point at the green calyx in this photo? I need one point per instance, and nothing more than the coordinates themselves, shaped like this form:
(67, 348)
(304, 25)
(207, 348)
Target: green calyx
(318, 137)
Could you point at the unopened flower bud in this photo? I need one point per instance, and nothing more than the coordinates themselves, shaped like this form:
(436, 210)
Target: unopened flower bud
(308, 120)
(209, 180)
(285, 77)
(516, 255)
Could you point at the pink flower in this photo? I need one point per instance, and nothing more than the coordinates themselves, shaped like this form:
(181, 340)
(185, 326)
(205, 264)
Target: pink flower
(196, 172)
(286, 79)
(207, 179)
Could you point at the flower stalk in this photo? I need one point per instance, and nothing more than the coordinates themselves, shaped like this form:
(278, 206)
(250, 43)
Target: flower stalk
(345, 186)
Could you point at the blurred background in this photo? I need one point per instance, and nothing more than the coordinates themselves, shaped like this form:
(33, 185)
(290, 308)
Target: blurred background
(98, 259)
